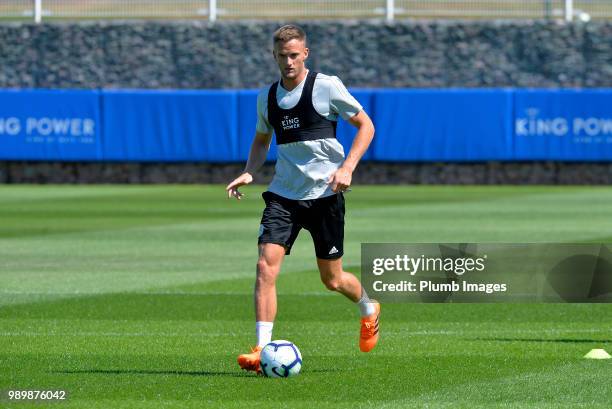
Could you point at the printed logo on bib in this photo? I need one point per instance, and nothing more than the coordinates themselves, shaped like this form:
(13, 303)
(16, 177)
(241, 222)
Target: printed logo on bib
(290, 123)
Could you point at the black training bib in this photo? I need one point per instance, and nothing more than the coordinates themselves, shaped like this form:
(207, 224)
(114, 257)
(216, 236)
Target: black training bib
(302, 122)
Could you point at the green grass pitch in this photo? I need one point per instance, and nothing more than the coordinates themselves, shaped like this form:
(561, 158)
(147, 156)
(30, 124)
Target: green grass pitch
(141, 297)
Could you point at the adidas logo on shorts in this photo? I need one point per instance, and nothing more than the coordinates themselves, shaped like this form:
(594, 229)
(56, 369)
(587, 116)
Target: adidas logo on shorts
(333, 250)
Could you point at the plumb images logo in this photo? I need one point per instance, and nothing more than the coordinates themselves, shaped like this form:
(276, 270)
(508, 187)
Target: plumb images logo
(442, 273)
(491, 272)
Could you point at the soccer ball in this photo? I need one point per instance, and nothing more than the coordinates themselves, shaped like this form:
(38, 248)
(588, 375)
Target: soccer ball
(280, 359)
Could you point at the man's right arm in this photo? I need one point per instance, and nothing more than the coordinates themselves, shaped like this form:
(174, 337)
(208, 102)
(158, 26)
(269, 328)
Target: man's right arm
(257, 157)
(258, 153)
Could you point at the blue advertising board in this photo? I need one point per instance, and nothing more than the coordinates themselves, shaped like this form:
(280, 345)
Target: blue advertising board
(218, 125)
(44, 124)
(443, 125)
(170, 125)
(563, 125)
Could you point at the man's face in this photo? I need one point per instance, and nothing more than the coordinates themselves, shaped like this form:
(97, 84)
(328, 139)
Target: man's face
(290, 57)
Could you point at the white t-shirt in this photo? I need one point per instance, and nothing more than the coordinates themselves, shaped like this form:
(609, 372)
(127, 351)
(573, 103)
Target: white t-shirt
(302, 168)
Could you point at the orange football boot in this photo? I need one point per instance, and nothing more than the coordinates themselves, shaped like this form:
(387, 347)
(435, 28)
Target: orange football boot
(250, 362)
(369, 330)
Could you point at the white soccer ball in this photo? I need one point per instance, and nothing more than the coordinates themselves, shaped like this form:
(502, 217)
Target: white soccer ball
(280, 359)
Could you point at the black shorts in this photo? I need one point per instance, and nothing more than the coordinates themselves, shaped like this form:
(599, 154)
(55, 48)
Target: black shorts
(283, 219)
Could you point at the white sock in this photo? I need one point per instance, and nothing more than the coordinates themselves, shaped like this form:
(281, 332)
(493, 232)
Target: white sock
(366, 307)
(264, 332)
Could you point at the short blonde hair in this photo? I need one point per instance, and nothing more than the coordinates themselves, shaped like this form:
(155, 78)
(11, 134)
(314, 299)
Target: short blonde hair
(287, 33)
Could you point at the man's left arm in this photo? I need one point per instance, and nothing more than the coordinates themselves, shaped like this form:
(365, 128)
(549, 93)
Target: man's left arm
(341, 179)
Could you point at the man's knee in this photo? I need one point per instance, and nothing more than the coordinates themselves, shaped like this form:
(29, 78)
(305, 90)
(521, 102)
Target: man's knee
(331, 283)
(331, 273)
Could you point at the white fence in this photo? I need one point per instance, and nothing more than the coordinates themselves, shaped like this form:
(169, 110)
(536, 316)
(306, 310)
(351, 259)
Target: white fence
(40, 10)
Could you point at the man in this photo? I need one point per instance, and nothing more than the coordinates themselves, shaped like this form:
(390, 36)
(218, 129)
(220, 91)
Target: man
(310, 176)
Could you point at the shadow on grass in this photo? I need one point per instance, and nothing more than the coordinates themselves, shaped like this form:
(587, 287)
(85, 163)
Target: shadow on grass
(181, 373)
(564, 340)
(155, 372)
